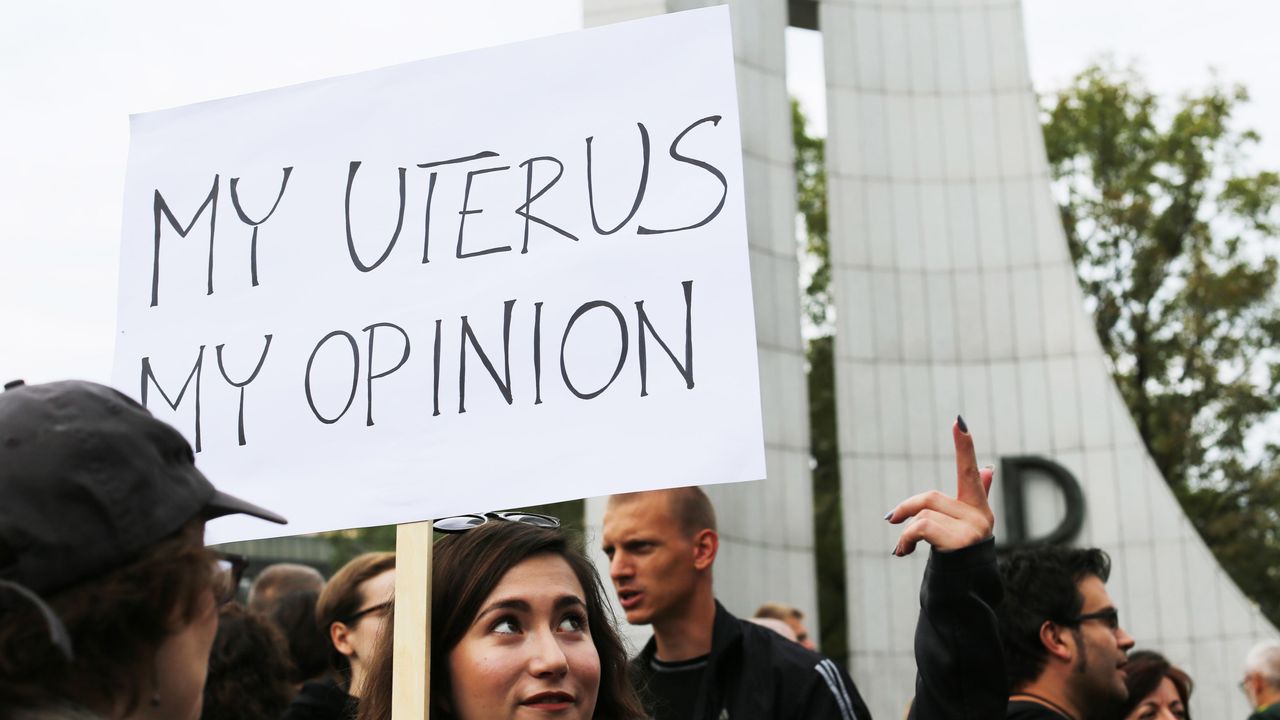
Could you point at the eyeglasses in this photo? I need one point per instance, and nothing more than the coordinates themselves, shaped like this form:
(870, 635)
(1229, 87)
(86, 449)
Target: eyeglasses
(228, 570)
(463, 523)
(380, 609)
(1109, 617)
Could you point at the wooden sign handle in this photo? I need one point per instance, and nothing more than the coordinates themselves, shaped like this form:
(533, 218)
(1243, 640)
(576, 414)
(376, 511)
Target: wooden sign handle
(411, 674)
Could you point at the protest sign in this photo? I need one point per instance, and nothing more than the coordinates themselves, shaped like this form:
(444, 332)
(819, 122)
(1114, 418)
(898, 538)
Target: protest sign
(486, 280)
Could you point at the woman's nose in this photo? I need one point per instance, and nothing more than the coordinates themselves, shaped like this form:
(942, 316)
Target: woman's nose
(547, 657)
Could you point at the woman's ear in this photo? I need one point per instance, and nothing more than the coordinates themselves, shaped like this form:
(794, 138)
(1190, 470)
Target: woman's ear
(338, 635)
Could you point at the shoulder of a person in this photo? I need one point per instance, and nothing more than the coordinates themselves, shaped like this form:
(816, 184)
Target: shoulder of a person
(762, 644)
(53, 712)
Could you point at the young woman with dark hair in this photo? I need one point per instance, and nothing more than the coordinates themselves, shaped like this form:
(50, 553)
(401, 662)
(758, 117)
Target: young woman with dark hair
(1157, 689)
(519, 627)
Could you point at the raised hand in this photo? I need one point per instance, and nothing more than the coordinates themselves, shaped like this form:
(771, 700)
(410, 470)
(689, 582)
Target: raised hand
(945, 522)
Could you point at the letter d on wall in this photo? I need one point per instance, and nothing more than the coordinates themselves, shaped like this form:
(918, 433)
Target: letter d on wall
(1015, 472)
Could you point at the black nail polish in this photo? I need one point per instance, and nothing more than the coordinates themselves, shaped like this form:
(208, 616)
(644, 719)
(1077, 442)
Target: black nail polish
(963, 428)
(894, 551)
(888, 515)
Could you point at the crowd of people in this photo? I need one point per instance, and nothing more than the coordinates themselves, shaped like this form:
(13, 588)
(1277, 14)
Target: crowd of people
(111, 607)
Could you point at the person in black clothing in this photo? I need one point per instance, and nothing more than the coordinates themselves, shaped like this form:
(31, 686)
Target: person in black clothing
(248, 669)
(1064, 648)
(703, 663)
(959, 660)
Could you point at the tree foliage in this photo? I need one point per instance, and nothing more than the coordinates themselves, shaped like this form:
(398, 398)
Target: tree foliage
(1173, 242)
(828, 526)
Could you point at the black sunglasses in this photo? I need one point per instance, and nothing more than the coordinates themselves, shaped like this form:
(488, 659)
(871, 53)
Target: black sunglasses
(1109, 617)
(381, 609)
(463, 523)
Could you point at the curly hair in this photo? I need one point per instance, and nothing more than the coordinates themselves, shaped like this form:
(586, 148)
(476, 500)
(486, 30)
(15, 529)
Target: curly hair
(465, 570)
(117, 621)
(1041, 585)
(248, 669)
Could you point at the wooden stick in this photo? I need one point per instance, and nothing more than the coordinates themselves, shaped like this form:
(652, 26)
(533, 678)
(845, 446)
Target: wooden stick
(411, 676)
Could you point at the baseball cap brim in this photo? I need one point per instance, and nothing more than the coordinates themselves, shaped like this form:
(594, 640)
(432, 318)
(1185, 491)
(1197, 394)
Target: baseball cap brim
(223, 504)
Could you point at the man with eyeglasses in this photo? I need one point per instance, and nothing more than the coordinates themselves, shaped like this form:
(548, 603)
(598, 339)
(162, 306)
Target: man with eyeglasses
(1261, 682)
(1064, 649)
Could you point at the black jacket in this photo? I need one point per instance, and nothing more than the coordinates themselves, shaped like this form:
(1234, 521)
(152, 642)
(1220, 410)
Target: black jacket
(321, 700)
(756, 674)
(959, 660)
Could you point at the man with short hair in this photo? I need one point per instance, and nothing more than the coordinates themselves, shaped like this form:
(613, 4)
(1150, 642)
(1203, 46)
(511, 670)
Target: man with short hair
(789, 615)
(280, 579)
(703, 663)
(1064, 649)
(1262, 680)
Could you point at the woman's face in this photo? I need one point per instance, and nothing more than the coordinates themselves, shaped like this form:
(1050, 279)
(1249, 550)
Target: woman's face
(1162, 704)
(528, 652)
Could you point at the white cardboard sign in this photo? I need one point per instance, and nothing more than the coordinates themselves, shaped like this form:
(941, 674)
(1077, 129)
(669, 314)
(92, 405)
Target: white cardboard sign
(487, 280)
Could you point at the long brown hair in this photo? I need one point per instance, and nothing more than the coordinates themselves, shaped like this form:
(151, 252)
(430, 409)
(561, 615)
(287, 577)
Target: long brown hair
(465, 569)
(342, 597)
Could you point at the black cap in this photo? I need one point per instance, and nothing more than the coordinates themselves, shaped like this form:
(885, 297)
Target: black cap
(88, 480)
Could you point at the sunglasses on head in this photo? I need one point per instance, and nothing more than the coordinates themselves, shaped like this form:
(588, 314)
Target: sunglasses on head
(463, 523)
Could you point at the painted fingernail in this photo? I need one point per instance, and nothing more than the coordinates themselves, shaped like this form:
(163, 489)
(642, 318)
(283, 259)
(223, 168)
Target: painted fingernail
(992, 468)
(894, 551)
(887, 516)
(963, 428)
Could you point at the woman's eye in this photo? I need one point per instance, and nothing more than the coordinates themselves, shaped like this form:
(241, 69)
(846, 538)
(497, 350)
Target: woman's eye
(573, 623)
(506, 626)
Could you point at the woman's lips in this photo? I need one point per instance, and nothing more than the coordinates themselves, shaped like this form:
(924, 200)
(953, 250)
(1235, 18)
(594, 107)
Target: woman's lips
(552, 700)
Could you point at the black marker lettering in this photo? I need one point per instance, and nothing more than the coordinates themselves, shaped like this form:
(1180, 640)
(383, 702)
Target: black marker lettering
(431, 191)
(530, 196)
(253, 243)
(159, 207)
(686, 370)
(355, 376)
(435, 379)
(622, 355)
(196, 372)
(724, 184)
(537, 353)
(465, 211)
(644, 180)
(351, 243)
(370, 376)
(252, 376)
(504, 383)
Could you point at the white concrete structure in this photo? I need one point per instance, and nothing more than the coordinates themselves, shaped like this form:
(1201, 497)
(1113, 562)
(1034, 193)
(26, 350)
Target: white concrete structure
(766, 528)
(955, 294)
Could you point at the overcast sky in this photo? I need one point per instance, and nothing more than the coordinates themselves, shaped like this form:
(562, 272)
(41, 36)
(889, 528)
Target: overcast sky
(72, 72)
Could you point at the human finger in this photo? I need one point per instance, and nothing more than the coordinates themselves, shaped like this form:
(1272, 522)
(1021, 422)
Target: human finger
(987, 474)
(941, 531)
(935, 501)
(968, 481)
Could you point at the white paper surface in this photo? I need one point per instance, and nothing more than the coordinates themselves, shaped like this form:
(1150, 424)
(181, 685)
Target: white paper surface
(373, 425)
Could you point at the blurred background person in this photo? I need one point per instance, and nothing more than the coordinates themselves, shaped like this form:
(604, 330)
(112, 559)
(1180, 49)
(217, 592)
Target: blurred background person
(350, 612)
(295, 617)
(281, 579)
(792, 617)
(1261, 682)
(248, 669)
(1157, 689)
